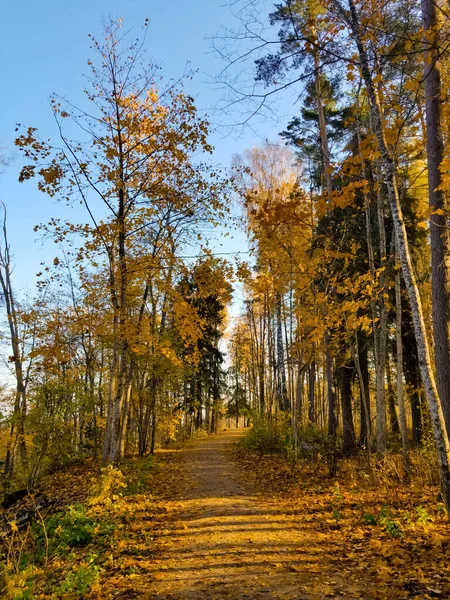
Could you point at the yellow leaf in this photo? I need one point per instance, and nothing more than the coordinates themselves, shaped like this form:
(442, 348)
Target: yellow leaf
(13, 526)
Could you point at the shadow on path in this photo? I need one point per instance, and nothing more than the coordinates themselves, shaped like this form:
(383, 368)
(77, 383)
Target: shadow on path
(222, 541)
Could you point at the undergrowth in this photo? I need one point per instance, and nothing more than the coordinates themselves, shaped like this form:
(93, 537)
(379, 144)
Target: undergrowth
(310, 443)
(389, 502)
(64, 554)
(266, 437)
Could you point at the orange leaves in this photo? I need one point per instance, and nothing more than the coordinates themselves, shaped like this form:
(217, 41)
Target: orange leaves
(212, 277)
(51, 178)
(189, 323)
(27, 172)
(243, 271)
(167, 351)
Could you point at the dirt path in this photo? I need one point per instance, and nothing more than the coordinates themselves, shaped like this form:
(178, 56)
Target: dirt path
(227, 542)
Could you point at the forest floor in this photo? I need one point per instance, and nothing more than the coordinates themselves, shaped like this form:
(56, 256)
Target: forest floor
(214, 520)
(234, 526)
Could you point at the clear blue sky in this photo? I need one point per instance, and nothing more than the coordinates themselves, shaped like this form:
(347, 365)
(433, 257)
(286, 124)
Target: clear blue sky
(44, 47)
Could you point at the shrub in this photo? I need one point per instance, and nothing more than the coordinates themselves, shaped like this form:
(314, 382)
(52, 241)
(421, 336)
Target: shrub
(106, 489)
(391, 525)
(266, 437)
(79, 580)
(70, 529)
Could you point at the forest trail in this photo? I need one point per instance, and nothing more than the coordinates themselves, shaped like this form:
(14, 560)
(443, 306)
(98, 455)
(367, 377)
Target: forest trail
(226, 540)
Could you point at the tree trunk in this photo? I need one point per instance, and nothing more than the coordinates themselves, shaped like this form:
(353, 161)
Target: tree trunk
(299, 393)
(363, 361)
(439, 234)
(399, 345)
(393, 418)
(312, 392)
(346, 377)
(412, 375)
(380, 363)
(17, 430)
(332, 422)
(377, 303)
(283, 399)
(328, 189)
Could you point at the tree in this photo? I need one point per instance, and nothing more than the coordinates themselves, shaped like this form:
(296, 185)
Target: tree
(207, 289)
(439, 234)
(136, 161)
(16, 442)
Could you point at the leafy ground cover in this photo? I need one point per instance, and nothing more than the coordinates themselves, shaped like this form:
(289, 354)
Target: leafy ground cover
(392, 536)
(97, 528)
(220, 520)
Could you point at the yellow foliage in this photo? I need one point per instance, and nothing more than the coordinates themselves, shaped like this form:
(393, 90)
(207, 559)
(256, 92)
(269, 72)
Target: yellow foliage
(106, 489)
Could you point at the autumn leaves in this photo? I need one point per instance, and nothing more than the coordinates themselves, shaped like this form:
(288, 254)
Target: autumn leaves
(137, 319)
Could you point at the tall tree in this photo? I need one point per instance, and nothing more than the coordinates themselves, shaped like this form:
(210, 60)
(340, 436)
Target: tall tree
(439, 231)
(137, 163)
(16, 442)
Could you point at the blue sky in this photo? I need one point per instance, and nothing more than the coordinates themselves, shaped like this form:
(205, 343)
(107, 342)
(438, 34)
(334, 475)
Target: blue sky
(44, 48)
